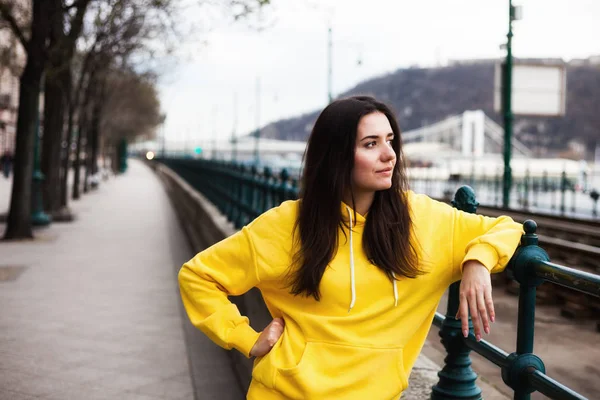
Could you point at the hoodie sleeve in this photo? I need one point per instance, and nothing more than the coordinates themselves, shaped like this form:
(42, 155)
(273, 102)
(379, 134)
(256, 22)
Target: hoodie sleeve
(491, 241)
(224, 269)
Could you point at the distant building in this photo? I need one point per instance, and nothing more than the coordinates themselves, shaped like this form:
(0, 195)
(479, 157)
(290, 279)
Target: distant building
(12, 63)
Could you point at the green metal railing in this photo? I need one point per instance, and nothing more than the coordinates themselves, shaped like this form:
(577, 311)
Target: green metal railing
(242, 194)
(553, 194)
(522, 370)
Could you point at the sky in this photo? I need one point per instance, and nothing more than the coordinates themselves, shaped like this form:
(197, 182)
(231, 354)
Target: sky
(232, 78)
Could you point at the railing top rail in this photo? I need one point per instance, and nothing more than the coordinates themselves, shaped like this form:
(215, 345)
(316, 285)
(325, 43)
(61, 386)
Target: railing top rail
(569, 277)
(551, 388)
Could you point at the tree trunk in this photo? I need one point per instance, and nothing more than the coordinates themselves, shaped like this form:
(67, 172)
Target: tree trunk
(54, 110)
(88, 162)
(95, 136)
(83, 136)
(77, 160)
(66, 157)
(19, 216)
(114, 152)
(58, 80)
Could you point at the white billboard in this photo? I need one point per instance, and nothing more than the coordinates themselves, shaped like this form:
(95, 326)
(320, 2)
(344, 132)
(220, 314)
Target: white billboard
(537, 89)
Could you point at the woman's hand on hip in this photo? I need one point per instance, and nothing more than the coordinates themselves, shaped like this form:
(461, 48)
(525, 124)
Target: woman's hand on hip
(476, 296)
(268, 337)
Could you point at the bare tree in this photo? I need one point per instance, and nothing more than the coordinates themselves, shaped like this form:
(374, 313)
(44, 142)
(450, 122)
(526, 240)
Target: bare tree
(118, 31)
(48, 36)
(34, 39)
(64, 32)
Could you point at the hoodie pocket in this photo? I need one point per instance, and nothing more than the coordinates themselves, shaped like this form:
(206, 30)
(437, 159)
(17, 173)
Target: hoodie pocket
(339, 371)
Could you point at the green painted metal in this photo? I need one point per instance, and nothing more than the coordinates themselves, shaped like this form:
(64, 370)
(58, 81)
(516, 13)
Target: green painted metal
(122, 149)
(457, 378)
(507, 109)
(526, 190)
(563, 189)
(594, 195)
(522, 268)
(575, 279)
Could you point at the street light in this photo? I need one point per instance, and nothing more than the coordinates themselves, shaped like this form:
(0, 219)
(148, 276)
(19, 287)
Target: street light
(233, 131)
(257, 135)
(515, 14)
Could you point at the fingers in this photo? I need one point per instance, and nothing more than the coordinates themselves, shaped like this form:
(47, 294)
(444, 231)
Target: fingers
(482, 309)
(480, 305)
(463, 314)
(268, 337)
(472, 298)
(274, 331)
(489, 302)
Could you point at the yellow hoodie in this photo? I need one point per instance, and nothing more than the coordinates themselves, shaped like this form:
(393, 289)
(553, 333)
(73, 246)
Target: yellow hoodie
(363, 338)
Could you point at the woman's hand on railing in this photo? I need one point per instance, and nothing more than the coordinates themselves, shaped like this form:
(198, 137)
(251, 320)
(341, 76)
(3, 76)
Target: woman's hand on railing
(268, 337)
(476, 296)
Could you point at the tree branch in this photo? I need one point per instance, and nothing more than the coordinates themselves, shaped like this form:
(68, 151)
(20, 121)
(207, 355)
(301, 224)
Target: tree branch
(12, 22)
(74, 4)
(77, 21)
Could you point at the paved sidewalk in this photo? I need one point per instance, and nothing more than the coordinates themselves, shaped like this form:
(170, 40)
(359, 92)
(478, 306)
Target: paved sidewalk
(96, 313)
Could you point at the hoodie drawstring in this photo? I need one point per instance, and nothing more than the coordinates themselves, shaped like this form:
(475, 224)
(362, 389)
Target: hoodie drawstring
(395, 290)
(352, 281)
(352, 277)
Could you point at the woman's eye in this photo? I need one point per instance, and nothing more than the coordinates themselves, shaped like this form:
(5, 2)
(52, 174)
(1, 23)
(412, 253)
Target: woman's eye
(390, 142)
(370, 144)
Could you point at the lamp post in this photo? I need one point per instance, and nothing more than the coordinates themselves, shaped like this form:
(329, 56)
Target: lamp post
(163, 117)
(38, 216)
(213, 145)
(513, 15)
(233, 137)
(257, 136)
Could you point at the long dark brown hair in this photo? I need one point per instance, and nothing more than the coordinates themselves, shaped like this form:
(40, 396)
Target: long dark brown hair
(328, 164)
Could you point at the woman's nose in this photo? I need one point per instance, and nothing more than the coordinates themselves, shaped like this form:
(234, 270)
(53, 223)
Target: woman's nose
(388, 154)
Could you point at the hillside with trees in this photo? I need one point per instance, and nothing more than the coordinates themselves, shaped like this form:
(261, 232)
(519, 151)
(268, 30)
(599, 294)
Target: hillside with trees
(421, 96)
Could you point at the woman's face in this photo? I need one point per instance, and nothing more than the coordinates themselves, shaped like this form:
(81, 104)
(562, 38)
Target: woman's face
(374, 156)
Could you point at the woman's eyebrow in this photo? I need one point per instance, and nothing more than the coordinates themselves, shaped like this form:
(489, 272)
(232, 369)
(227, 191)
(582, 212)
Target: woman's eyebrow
(376, 136)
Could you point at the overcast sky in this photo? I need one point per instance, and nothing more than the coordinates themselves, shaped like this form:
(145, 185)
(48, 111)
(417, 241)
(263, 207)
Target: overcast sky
(289, 58)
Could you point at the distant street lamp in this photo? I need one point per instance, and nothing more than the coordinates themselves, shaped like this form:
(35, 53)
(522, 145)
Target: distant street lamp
(514, 15)
(162, 119)
(233, 131)
(257, 135)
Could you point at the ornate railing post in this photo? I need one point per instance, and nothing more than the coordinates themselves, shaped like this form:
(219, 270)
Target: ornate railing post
(253, 196)
(573, 197)
(284, 186)
(241, 198)
(229, 184)
(266, 190)
(521, 267)
(526, 189)
(457, 379)
(563, 190)
(594, 195)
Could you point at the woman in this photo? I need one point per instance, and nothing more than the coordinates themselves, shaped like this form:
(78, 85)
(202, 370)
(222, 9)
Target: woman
(352, 272)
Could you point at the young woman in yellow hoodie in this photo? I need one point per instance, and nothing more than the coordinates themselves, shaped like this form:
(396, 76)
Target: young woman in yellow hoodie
(352, 273)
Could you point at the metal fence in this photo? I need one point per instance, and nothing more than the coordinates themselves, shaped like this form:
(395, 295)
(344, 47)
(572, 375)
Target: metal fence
(556, 194)
(242, 194)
